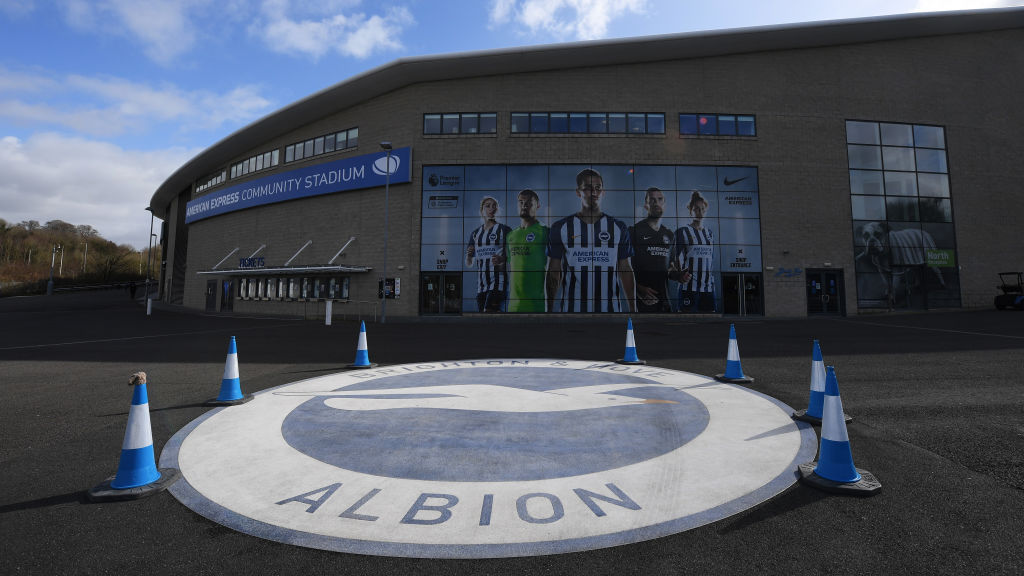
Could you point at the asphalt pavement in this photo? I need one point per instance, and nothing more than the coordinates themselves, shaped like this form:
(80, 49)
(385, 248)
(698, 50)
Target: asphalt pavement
(937, 400)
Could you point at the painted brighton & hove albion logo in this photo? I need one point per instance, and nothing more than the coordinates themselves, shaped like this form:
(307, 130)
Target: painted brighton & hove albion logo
(487, 458)
(381, 166)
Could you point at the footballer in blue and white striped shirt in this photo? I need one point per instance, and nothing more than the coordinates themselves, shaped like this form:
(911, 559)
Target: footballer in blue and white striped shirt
(589, 253)
(695, 251)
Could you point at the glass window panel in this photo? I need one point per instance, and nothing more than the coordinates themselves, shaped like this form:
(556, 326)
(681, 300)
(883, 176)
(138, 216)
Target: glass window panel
(307, 149)
(707, 124)
(745, 126)
(897, 158)
(340, 141)
(234, 171)
(577, 123)
(868, 207)
(929, 137)
(727, 125)
(933, 185)
(900, 184)
(597, 123)
(259, 162)
(431, 123)
(901, 209)
(687, 123)
(267, 159)
(866, 182)
(353, 137)
(558, 123)
(865, 156)
(488, 125)
(520, 123)
(941, 234)
(318, 146)
(539, 122)
(897, 135)
(245, 168)
(329, 143)
(931, 160)
(450, 124)
(862, 132)
(936, 210)
(275, 157)
(289, 153)
(637, 124)
(252, 164)
(655, 123)
(470, 124)
(617, 123)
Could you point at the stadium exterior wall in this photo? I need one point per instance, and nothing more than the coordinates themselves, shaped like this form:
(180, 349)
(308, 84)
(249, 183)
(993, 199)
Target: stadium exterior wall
(968, 83)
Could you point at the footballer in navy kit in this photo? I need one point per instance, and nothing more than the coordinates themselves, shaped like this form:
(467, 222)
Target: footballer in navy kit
(589, 255)
(653, 257)
(486, 252)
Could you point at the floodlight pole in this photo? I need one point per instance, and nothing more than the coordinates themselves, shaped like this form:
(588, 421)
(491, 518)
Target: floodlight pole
(386, 146)
(149, 256)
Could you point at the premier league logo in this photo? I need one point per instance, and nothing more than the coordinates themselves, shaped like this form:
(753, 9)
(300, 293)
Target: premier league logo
(487, 458)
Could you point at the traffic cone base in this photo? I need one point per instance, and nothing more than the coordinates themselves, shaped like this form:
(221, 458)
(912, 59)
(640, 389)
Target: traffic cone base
(630, 358)
(104, 492)
(868, 485)
(803, 416)
(728, 380)
(218, 402)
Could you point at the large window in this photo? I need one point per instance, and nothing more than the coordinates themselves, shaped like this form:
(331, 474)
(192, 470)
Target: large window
(326, 144)
(587, 123)
(717, 125)
(904, 241)
(460, 123)
(498, 225)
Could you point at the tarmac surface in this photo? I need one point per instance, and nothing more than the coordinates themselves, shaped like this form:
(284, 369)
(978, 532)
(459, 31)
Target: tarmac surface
(937, 401)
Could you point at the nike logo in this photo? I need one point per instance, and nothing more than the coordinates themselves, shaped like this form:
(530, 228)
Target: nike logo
(646, 237)
(728, 182)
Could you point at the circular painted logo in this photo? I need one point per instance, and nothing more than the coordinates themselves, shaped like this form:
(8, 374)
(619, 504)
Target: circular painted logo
(604, 236)
(530, 237)
(386, 165)
(487, 458)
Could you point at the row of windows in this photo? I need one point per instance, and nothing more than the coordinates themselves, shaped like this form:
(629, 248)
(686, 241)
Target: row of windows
(322, 145)
(212, 181)
(717, 125)
(319, 288)
(587, 123)
(256, 163)
(888, 134)
(901, 209)
(460, 123)
(878, 183)
(897, 158)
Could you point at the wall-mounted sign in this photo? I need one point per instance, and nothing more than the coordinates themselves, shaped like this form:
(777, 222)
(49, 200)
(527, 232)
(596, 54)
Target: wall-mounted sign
(366, 171)
(251, 263)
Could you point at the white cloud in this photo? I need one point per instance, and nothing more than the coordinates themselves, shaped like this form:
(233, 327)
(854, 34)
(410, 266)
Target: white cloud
(944, 5)
(302, 30)
(104, 106)
(582, 19)
(55, 177)
(163, 27)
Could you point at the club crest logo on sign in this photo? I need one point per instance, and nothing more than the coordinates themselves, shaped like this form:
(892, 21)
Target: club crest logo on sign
(486, 458)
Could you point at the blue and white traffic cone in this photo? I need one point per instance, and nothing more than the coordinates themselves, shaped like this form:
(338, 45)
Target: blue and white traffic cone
(834, 471)
(230, 385)
(137, 475)
(630, 357)
(814, 406)
(733, 369)
(362, 352)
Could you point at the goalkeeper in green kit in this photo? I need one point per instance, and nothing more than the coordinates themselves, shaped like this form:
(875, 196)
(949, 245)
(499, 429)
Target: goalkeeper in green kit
(526, 258)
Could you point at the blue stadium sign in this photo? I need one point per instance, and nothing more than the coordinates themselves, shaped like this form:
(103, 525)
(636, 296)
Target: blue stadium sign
(366, 171)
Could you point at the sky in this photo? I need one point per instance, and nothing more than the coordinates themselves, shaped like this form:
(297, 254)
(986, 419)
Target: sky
(102, 100)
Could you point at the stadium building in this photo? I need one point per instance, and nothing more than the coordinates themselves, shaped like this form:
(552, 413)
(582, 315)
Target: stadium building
(828, 168)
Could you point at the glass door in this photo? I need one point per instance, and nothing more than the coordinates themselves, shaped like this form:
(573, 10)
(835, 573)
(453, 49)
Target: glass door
(825, 292)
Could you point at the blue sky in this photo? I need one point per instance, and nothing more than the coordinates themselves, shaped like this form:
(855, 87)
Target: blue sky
(101, 100)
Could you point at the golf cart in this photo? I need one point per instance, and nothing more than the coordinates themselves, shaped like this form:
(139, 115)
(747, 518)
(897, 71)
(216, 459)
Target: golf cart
(1013, 291)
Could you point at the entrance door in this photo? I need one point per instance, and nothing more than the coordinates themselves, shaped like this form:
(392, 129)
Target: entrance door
(441, 293)
(825, 292)
(211, 295)
(227, 296)
(741, 294)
